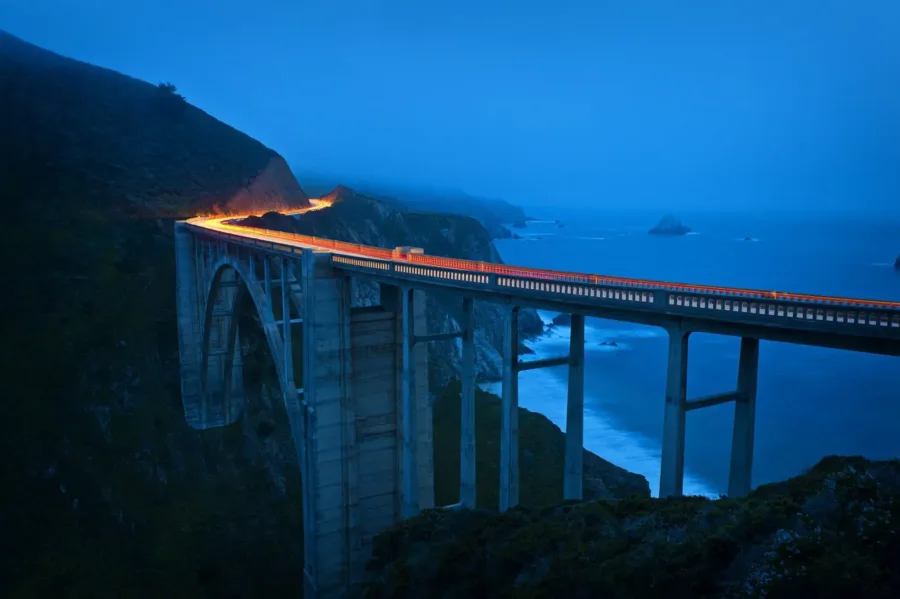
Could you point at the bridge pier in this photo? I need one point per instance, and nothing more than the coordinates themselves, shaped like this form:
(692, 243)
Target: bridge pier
(509, 414)
(741, 467)
(574, 460)
(467, 449)
(671, 477)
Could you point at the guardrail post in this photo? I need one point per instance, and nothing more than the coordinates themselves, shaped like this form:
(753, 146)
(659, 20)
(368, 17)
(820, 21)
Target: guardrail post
(671, 477)
(574, 460)
(741, 468)
(509, 417)
(467, 408)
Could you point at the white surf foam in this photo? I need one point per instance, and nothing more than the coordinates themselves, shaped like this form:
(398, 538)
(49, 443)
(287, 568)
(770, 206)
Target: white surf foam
(545, 392)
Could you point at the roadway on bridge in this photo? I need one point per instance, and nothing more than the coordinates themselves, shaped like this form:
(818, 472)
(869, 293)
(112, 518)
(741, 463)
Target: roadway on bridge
(223, 224)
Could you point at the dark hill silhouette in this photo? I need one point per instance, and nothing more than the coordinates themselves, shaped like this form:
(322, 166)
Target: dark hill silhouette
(88, 134)
(106, 484)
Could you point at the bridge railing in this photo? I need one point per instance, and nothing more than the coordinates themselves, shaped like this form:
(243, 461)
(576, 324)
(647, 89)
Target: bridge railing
(554, 275)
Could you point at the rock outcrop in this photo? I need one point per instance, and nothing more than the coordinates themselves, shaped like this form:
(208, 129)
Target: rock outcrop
(897, 263)
(358, 218)
(830, 534)
(669, 226)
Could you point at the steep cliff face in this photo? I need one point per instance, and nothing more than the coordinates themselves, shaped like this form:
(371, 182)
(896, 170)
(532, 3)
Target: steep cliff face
(360, 219)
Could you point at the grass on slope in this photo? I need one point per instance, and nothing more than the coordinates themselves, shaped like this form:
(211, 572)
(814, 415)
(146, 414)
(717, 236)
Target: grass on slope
(829, 534)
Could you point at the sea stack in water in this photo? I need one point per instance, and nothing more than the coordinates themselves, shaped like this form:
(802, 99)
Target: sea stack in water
(669, 225)
(897, 263)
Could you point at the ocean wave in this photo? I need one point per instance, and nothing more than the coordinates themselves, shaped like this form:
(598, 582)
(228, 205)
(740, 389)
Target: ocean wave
(540, 391)
(598, 335)
(545, 391)
(591, 238)
(693, 233)
(883, 264)
(746, 239)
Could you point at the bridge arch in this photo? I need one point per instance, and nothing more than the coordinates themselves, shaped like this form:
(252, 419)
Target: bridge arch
(231, 273)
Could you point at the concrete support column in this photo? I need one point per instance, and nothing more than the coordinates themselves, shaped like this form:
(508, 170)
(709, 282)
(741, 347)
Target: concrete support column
(188, 269)
(740, 472)
(467, 406)
(331, 532)
(671, 478)
(574, 466)
(509, 417)
(409, 499)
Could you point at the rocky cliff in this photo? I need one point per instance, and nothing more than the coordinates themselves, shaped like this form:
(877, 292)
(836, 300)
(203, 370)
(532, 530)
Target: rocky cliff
(828, 534)
(361, 219)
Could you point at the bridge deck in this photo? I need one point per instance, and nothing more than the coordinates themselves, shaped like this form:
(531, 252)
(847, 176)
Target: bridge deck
(845, 323)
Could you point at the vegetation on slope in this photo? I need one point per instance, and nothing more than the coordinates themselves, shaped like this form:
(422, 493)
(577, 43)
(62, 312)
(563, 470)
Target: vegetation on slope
(541, 457)
(829, 534)
(107, 493)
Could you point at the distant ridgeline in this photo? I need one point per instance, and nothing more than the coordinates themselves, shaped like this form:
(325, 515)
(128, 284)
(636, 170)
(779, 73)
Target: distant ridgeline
(669, 225)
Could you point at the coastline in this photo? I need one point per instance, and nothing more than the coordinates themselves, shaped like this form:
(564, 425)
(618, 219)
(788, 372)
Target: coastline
(544, 391)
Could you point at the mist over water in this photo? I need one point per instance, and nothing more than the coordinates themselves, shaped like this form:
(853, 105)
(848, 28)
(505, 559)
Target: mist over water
(811, 402)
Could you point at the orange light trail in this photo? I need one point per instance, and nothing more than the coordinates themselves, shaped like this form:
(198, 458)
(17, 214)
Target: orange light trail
(217, 223)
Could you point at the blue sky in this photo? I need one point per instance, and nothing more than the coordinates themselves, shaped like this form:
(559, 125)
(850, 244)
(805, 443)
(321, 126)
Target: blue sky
(645, 104)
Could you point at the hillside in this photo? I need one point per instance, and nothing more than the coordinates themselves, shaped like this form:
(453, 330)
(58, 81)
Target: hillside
(828, 534)
(107, 492)
(103, 480)
(92, 137)
(494, 214)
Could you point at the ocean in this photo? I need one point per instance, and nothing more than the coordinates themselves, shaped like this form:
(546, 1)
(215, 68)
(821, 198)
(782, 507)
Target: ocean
(811, 402)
